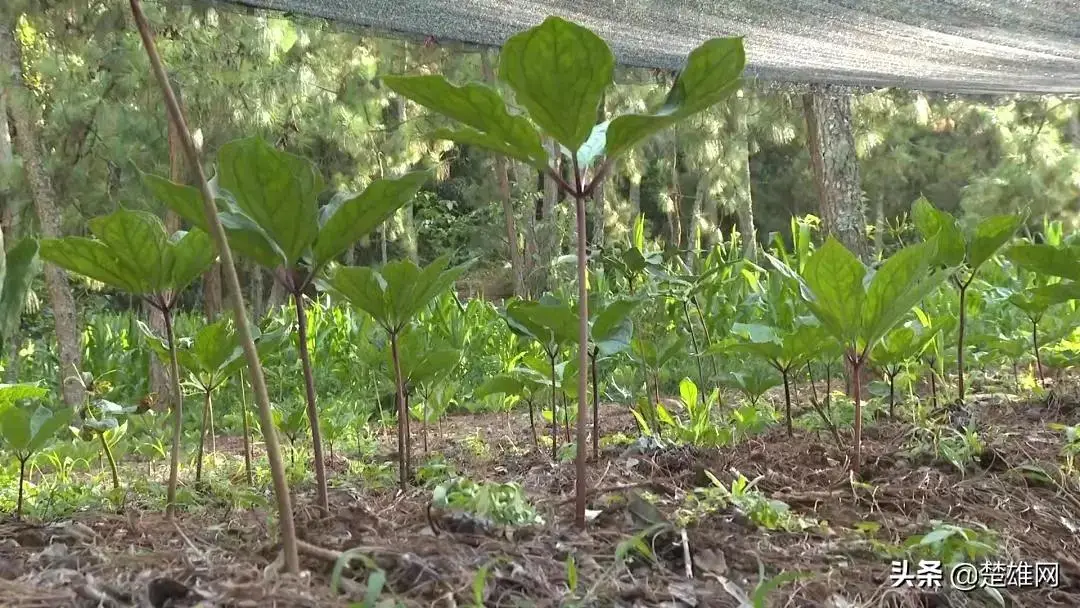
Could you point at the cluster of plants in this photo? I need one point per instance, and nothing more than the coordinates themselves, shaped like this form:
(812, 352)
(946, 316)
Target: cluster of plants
(357, 348)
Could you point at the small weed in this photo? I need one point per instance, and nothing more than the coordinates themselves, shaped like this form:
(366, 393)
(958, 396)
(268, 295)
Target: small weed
(501, 503)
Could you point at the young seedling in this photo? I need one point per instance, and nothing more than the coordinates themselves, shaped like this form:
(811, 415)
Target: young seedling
(520, 383)
(269, 206)
(559, 72)
(211, 358)
(394, 296)
(25, 432)
(966, 251)
(551, 323)
(1051, 262)
(858, 312)
(611, 332)
(785, 351)
(133, 252)
(898, 347)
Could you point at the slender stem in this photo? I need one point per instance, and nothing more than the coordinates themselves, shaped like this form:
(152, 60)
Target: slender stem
(403, 466)
(960, 341)
(581, 486)
(810, 373)
(1038, 357)
(892, 396)
(22, 483)
(322, 497)
(705, 329)
(112, 461)
(856, 461)
(247, 429)
(202, 434)
(532, 423)
(595, 408)
(787, 402)
(286, 524)
(697, 352)
(554, 414)
(178, 414)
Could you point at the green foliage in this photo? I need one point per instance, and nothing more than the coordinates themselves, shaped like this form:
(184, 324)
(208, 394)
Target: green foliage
(856, 311)
(17, 269)
(268, 203)
(501, 503)
(394, 295)
(132, 251)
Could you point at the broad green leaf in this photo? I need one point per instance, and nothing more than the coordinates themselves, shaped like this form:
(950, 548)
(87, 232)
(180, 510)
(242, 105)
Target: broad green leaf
(188, 256)
(756, 332)
(688, 392)
(44, 425)
(559, 71)
(363, 288)
(902, 281)
(480, 107)
(352, 219)
(10, 393)
(15, 424)
(245, 237)
(835, 279)
(559, 319)
(1061, 262)
(712, 73)
(185, 201)
(92, 259)
(248, 239)
(504, 384)
(215, 344)
(612, 328)
(990, 235)
(432, 281)
(593, 147)
(277, 190)
(402, 278)
(137, 239)
(932, 222)
(21, 264)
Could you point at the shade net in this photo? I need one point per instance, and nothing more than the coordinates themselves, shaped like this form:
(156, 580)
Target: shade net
(961, 46)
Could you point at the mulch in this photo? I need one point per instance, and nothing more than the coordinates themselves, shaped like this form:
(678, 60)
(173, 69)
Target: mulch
(142, 559)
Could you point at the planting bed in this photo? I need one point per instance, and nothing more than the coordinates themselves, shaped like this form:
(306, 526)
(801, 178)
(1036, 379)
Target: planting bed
(228, 559)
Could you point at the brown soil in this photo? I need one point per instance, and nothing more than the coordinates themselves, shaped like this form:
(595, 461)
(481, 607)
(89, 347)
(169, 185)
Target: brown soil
(229, 559)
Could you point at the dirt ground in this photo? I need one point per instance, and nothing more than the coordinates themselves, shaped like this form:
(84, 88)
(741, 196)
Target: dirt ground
(134, 559)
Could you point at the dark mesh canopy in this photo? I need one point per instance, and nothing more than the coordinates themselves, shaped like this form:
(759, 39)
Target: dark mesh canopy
(962, 46)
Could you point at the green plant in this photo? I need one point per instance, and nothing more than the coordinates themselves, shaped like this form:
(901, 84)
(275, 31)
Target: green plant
(541, 65)
(500, 503)
(394, 296)
(132, 251)
(269, 200)
(211, 357)
(24, 431)
(858, 312)
(950, 543)
(963, 251)
(900, 345)
(784, 351)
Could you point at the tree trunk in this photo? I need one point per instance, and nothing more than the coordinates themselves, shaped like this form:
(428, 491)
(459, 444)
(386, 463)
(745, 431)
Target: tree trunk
(738, 159)
(9, 220)
(503, 180)
(212, 292)
(548, 235)
(675, 216)
(831, 142)
(21, 109)
(255, 284)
